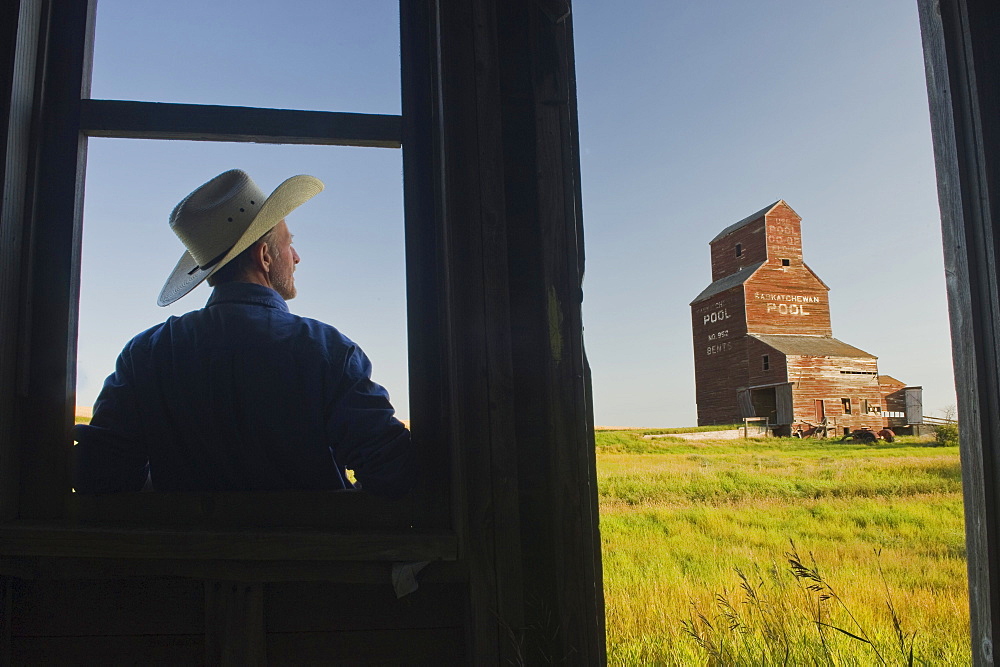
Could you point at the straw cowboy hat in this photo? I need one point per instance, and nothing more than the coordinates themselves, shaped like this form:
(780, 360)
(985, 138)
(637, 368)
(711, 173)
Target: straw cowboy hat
(223, 218)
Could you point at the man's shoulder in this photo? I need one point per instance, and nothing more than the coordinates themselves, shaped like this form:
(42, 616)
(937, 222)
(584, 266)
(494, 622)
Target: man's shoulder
(280, 324)
(321, 331)
(308, 333)
(144, 337)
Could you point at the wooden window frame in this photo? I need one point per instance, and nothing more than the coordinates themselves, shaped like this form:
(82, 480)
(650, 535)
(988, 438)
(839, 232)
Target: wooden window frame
(766, 362)
(494, 238)
(39, 516)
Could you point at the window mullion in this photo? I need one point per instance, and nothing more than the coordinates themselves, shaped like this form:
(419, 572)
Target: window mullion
(202, 122)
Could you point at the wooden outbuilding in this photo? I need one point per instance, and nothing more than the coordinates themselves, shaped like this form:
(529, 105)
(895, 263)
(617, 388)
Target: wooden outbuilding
(763, 341)
(497, 554)
(903, 404)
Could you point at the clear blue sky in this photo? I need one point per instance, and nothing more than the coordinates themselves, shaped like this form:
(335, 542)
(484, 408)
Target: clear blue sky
(692, 116)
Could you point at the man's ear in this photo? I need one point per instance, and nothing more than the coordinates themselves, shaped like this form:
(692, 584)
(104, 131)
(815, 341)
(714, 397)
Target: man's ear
(262, 256)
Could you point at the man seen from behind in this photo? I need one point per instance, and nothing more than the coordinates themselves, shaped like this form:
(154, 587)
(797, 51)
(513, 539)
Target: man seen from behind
(241, 395)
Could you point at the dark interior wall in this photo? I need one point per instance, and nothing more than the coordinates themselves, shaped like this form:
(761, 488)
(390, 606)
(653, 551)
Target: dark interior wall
(163, 620)
(960, 37)
(494, 229)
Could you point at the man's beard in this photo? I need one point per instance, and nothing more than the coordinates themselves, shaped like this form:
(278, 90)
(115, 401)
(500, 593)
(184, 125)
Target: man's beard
(282, 280)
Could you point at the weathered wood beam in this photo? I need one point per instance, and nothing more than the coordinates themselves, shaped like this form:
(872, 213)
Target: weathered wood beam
(564, 613)
(49, 319)
(426, 272)
(19, 35)
(963, 86)
(202, 122)
(279, 545)
(481, 402)
(340, 571)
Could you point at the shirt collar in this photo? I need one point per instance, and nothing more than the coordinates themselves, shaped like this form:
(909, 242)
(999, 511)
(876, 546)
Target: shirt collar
(249, 293)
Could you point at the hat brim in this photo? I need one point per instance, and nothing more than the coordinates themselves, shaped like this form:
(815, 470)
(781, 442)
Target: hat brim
(288, 196)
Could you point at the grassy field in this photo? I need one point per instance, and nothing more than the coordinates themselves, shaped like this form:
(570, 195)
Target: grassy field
(698, 539)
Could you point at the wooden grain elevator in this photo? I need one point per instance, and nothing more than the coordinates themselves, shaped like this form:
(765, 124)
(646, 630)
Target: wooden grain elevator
(763, 341)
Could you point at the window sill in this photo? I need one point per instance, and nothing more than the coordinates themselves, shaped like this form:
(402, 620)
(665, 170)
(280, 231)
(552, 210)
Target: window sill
(306, 511)
(22, 538)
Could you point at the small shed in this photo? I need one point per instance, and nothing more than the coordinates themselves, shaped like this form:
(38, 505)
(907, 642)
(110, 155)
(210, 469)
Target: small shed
(904, 405)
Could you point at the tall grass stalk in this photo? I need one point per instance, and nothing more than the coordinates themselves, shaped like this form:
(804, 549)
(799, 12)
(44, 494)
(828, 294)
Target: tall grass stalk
(769, 625)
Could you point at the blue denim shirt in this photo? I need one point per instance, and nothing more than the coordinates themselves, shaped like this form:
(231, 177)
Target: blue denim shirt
(242, 395)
